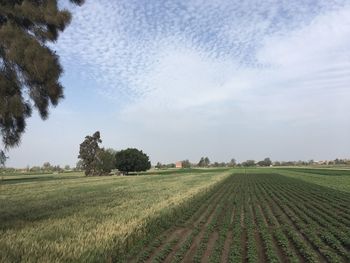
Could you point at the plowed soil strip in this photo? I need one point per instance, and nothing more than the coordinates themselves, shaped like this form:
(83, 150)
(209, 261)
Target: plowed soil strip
(244, 245)
(259, 247)
(212, 240)
(227, 245)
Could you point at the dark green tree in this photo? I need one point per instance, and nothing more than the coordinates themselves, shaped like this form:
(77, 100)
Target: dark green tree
(88, 153)
(201, 162)
(132, 160)
(29, 69)
(204, 162)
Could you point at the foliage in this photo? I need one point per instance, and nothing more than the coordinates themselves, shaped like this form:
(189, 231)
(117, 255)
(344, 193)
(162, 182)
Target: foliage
(265, 162)
(186, 164)
(89, 154)
(204, 162)
(248, 163)
(217, 164)
(232, 163)
(132, 160)
(164, 166)
(3, 158)
(29, 69)
(106, 161)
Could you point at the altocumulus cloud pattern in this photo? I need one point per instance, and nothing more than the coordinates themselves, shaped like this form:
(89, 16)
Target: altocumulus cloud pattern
(122, 43)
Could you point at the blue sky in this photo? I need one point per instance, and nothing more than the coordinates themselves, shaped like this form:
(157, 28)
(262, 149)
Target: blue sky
(185, 79)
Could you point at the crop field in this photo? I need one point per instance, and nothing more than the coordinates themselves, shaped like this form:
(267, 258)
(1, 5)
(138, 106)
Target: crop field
(73, 218)
(260, 218)
(324, 171)
(333, 178)
(199, 215)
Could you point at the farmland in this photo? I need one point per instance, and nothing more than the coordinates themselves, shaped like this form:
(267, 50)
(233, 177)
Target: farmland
(261, 217)
(204, 215)
(73, 218)
(333, 178)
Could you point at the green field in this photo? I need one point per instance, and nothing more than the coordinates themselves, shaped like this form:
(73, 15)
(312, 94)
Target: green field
(198, 215)
(333, 178)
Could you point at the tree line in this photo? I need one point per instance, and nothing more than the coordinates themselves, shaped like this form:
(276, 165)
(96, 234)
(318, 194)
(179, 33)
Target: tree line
(96, 161)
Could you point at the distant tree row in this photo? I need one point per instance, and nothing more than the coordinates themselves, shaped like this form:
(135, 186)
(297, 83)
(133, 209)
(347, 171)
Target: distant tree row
(205, 162)
(99, 161)
(266, 162)
(164, 166)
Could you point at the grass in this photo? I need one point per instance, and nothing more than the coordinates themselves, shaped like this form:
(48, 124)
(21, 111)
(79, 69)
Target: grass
(72, 218)
(332, 178)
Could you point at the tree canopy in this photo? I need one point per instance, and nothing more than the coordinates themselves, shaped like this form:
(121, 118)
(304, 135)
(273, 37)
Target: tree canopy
(29, 69)
(266, 162)
(204, 162)
(106, 161)
(132, 160)
(89, 153)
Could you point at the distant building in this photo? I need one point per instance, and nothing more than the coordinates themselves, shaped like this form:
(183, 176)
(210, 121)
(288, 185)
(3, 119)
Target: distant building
(178, 164)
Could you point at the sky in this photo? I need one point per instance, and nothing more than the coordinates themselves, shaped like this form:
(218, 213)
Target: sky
(184, 79)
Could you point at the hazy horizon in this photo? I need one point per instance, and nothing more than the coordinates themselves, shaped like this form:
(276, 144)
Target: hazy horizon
(222, 79)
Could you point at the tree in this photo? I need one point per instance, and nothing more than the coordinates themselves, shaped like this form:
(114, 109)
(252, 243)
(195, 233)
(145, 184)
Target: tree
(277, 163)
(29, 69)
(216, 164)
(106, 161)
(88, 153)
(265, 162)
(79, 165)
(132, 160)
(67, 167)
(186, 164)
(248, 163)
(47, 166)
(3, 158)
(201, 162)
(204, 162)
(158, 165)
(232, 163)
